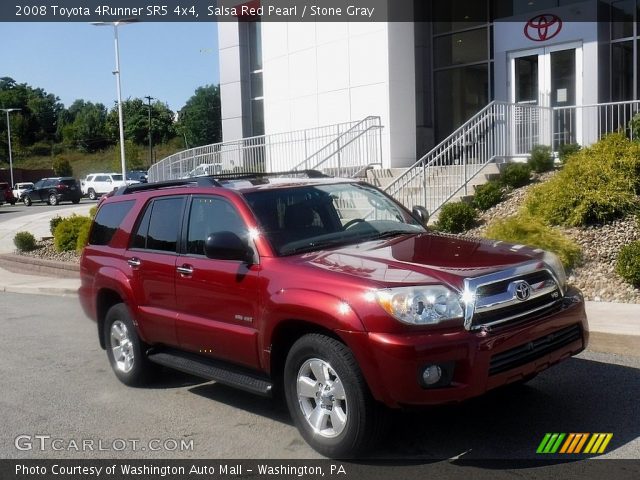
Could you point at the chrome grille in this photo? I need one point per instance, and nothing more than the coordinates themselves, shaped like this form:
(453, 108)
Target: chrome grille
(514, 295)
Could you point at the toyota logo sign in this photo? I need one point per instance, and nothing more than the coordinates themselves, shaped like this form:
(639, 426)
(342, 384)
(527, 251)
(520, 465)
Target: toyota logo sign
(543, 27)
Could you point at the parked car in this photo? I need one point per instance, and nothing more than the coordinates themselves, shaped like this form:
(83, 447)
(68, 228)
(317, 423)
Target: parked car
(327, 289)
(6, 195)
(21, 187)
(96, 184)
(53, 191)
(137, 175)
(205, 169)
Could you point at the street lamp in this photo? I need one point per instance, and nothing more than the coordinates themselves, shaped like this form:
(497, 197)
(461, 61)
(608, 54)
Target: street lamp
(115, 26)
(7, 110)
(149, 98)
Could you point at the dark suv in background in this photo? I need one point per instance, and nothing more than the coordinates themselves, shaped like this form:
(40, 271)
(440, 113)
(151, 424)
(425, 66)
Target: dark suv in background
(324, 289)
(53, 191)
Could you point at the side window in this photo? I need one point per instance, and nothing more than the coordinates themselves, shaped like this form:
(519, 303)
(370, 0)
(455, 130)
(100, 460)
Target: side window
(210, 215)
(38, 184)
(160, 225)
(107, 220)
(101, 178)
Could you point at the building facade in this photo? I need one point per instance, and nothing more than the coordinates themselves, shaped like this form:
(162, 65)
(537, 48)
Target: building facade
(425, 79)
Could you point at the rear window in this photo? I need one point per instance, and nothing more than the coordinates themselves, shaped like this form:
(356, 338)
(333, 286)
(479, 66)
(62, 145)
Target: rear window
(68, 181)
(109, 217)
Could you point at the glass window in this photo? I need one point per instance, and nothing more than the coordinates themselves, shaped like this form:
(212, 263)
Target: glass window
(211, 215)
(160, 225)
(461, 93)
(622, 71)
(257, 116)
(563, 78)
(107, 220)
(255, 46)
(526, 72)
(458, 14)
(458, 48)
(622, 18)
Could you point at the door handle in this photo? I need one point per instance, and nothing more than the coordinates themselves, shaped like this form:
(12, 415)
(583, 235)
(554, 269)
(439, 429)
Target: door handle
(134, 262)
(185, 270)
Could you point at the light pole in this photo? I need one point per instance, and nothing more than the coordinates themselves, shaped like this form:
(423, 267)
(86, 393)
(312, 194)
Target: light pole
(149, 98)
(7, 110)
(115, 26)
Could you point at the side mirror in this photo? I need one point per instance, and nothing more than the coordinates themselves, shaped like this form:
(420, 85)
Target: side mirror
(227, 246)
(421, 214)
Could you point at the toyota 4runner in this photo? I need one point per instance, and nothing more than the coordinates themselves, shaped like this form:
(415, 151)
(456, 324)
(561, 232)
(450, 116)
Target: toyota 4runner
(326, 290)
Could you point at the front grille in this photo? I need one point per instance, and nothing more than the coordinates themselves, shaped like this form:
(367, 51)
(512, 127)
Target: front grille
(501, 286)
(531, 351)
(530, 309)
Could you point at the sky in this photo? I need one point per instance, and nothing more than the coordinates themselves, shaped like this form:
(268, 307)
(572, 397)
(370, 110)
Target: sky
(75, 60)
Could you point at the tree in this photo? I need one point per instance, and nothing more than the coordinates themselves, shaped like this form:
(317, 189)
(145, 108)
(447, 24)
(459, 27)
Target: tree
(201, 119)
(136, 122)
(85, 127)
(133, 157)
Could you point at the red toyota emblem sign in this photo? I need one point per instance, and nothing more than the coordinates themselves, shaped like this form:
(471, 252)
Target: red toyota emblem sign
(543, 27)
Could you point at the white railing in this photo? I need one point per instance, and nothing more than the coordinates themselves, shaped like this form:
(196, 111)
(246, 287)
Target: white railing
(265, 153)
(351, 152)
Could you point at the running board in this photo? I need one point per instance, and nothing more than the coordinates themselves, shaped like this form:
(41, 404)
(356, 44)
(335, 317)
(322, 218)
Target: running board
(221, 372)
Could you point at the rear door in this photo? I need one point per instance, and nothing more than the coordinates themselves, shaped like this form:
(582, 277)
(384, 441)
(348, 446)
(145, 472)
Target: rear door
(217, 300)
(152, 262)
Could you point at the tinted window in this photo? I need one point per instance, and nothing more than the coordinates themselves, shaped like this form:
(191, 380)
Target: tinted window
(68, 181)
(101, 178)
(164, 216)
(107, 220)
(210, 215)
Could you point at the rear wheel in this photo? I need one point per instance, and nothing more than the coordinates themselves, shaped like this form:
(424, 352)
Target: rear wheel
(92, 194)
(53, 200)
(126, 352)
(328, 398)
(75, 200)
(27, 200)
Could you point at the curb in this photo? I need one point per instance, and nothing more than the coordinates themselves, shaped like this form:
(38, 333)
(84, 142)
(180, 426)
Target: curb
(34, 290)
(24, 264)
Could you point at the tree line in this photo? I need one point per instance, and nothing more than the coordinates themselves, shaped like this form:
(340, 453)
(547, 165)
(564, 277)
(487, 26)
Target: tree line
(44, 126)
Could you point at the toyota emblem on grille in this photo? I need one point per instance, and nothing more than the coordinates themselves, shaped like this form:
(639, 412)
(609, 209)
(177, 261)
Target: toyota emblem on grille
(521, 290)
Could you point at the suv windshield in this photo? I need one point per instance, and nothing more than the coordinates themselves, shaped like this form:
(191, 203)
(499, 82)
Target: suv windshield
(307, 218)
(117, 178)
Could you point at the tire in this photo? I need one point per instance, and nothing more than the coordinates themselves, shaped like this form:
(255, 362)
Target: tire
(92, 194)
(358, 420)
(27, 201)
(53, 200)
(75, 200)
(125, 351)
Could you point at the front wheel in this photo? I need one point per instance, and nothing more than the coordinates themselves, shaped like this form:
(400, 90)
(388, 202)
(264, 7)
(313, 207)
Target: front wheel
(328, 398)
(27, 201)
(125, 350)
(92, 194)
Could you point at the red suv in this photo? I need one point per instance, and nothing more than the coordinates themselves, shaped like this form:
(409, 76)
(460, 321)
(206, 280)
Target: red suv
(6, 194)
(325, 289)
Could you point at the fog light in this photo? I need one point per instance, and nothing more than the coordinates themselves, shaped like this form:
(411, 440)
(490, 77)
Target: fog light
(431, 375)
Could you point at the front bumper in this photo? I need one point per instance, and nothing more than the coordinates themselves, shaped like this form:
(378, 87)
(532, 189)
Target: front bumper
(481, 361)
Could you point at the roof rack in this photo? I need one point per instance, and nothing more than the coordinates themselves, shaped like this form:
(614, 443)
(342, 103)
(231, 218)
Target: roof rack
(213, 180)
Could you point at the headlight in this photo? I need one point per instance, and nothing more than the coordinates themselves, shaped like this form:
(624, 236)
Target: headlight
(424, 305)
(556, 266)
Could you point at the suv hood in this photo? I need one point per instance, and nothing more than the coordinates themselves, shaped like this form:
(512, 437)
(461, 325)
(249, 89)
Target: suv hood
(422, 258)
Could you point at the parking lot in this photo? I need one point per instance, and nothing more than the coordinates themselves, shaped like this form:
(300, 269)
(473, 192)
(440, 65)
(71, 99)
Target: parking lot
(57, 385)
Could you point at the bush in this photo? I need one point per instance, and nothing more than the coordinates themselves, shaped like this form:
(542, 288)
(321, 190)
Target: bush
(597, 184)
(628, 263)
(566, 150)
(516, 175)
(62, 167)
(24, 241)
(92, 211)
(541, 159)
(83, 236)
(488, 195)
(65, 236)
(53, 223)
(523, 229)
(456, 217)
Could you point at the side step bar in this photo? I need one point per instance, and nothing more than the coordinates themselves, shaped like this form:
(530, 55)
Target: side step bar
(221, 372)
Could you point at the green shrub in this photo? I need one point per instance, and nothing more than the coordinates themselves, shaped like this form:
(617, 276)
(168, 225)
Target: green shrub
(596, 185)
(488, 195)
(628, 263)
(525, 230)
(83, 236)
(65, 236)
(541, 159)
(92, 211)
(24, 241)
(456, 217)
(53, 223)
(567, 149)
(62, 167)
(516, 175)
